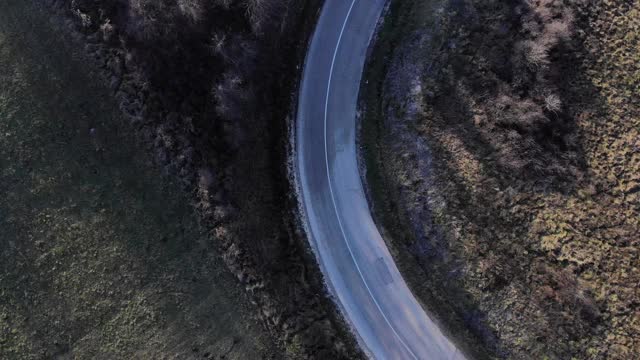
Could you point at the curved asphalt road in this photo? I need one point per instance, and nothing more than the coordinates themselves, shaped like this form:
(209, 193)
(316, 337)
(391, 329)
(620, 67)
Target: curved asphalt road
(358, 267)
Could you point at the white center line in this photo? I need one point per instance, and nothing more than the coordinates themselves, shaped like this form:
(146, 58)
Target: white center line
(326, 106)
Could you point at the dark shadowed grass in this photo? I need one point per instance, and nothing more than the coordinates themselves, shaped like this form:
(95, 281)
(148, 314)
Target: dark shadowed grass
(99, 256)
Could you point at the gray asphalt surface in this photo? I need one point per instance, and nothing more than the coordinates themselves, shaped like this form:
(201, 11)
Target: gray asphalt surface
(361, 274)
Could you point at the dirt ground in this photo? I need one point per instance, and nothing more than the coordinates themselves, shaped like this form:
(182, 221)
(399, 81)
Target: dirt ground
(100, 256)
(520, 265)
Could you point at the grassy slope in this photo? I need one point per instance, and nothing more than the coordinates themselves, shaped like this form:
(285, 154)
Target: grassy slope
(551, 273)
(216, 113)
(404, 17)
(100, 257)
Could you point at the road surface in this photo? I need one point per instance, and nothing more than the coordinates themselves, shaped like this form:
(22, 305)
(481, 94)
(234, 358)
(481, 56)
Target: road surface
(361, 274)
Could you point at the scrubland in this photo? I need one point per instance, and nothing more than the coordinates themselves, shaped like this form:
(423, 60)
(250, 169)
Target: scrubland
(503, 153)
(206, 89)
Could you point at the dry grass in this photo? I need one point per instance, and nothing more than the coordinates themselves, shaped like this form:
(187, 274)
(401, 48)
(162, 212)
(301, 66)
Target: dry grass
(549, 267)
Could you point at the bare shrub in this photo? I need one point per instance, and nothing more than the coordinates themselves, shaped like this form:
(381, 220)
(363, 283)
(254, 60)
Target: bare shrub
(524, 123)
(232, 96)
(262, 13)
(552, 102)
(559, 30)
(107, 31)
(85, 19)
(218, 42)
(191, 9)
(536, 53)
(150, 19)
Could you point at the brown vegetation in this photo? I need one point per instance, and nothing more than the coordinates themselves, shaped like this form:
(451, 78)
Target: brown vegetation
(507, 145)
(513, 74)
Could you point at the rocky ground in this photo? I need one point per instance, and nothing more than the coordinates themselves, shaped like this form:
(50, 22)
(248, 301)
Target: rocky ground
(503, 153)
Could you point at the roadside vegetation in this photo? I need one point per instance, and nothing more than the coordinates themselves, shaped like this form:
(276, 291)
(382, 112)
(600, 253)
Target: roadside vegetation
(207, 89)
(502, 150)
(100, 256)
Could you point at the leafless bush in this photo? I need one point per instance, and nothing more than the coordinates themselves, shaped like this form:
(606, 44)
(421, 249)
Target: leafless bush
(241, 53)
(560, 30)
(547, 23)
(84, 18)
(232, 95)
(150, 19)
(218, 43)
(520, 113)
(523, 119)
(552, 102)
(107, 31)
(262, 13)
(191, 9)
(536, 53)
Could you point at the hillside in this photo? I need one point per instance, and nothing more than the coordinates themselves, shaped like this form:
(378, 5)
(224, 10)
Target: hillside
(206, 88)
(502, 150)
(101, 256)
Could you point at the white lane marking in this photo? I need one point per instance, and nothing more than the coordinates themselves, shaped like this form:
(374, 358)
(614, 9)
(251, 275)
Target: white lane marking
(326, 157)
